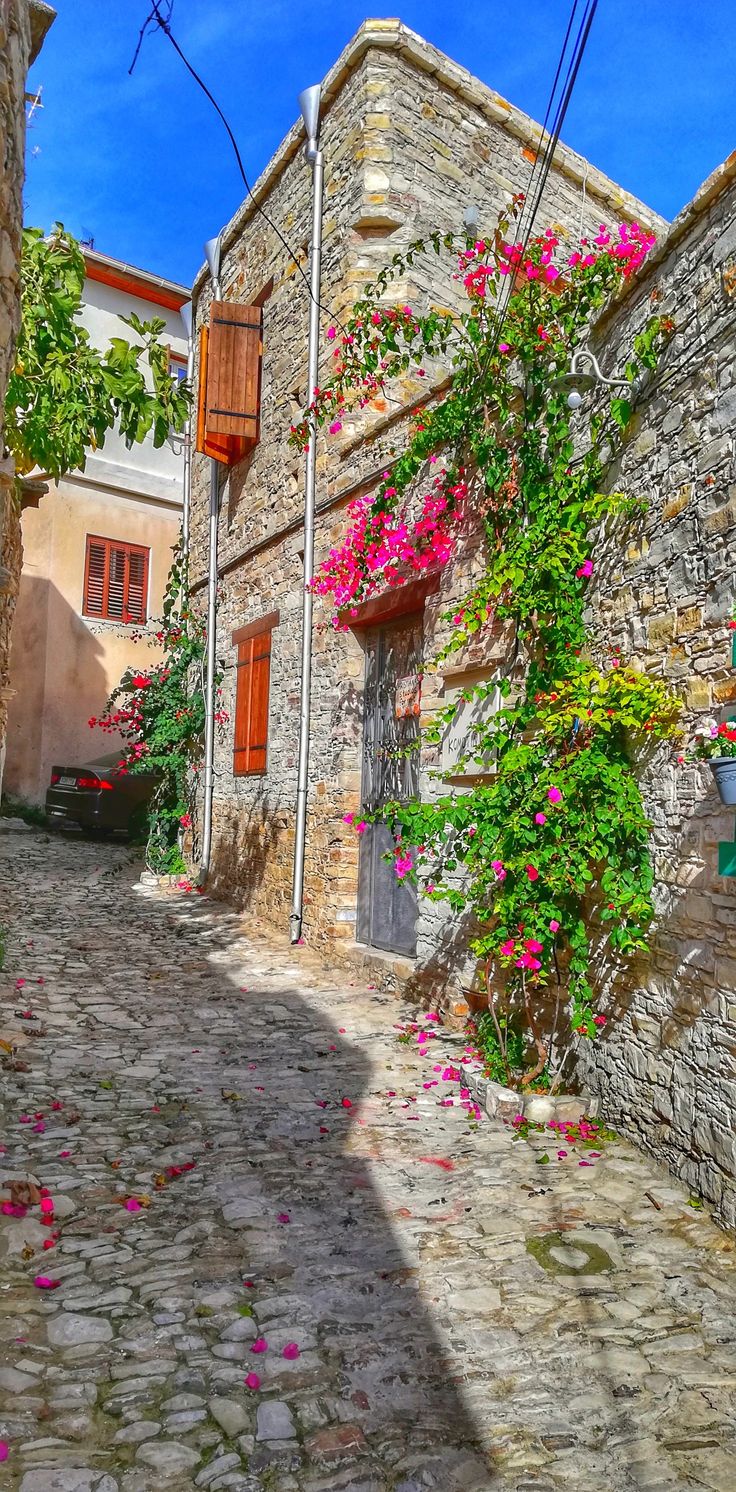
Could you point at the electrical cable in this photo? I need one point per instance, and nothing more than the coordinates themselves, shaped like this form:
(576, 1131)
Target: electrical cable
(536, 189)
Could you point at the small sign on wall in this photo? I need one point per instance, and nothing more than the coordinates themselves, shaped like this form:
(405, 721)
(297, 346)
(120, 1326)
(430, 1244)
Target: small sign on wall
(408, 695)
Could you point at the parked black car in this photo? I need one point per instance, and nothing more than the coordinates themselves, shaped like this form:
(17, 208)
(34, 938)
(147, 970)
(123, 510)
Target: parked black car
(100, 798)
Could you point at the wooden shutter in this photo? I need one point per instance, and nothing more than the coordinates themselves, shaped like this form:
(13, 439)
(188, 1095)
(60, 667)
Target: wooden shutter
(234, 370)
(115, 580)
(95, 574)
(250, 749)
(135, 601)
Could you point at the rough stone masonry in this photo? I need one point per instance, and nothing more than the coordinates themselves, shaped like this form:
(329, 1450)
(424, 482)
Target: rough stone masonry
(23, 25)
(410, 139)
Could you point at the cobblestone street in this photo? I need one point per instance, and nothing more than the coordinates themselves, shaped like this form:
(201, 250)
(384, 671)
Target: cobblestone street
(249, 1174)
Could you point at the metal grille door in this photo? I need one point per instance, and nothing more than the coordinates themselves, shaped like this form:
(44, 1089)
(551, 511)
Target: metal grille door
(387, 907)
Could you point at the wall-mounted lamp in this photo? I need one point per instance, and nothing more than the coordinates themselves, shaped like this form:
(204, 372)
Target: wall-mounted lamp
(575, 384)
(309, 102)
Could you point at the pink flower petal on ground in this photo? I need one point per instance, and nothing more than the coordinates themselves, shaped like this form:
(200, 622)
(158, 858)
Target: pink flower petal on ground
(64, 1154)
(341, 1029)
(4, 1450)
(585, 1162)
(283, 1217)
(253, 1382)
(347, 1103)
(132, 1205)
(47, 1205)
(13, 1209)
(260, 1345)
(42, 1282)
(562, 1155)
(291, 1351)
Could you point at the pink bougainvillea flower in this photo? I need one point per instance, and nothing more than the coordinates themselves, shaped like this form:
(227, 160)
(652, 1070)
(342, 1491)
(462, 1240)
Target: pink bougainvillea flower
(554, 925)
(532, 872)
(347, 1103)
(39, 1128)
(585, 570)
(291, 1352)
(248, 1285)
(335, 426)
(361, 827)
(599, 1020)
(283, 1217)
(47, 1206)
(533, 946)
(540, 818)
(57, 1104)
(42, 1282)
(13, 1209)
(260, 1345)
(507, 948)
(19, 983)
(562, 1155)
(4, 1450)
(132, 1205)
(253, 1382)
(554, 795)
(347, 818)
(64, 1154)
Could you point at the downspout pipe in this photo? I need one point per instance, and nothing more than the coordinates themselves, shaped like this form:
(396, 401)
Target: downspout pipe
(213, 250)
(186, 316)
(309, 102)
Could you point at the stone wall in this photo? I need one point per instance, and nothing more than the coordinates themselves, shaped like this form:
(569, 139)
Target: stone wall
(22, 29)
(409, 140)
(666, 1068)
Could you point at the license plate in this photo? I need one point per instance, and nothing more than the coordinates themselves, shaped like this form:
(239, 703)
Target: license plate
(67, 782)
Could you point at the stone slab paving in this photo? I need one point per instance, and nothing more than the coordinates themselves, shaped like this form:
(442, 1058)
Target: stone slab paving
(440, 1310)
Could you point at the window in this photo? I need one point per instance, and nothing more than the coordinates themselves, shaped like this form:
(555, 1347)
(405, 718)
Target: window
(177, 367)
(250, 749)
(115, 580)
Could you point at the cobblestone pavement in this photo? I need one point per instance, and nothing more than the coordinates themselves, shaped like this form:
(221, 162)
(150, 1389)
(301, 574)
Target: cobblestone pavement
(443, 1335)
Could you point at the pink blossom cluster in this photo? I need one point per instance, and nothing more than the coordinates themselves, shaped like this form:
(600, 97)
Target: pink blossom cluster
(383, 547)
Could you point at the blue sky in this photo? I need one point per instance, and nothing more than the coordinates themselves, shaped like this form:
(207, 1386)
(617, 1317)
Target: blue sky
(142, 163)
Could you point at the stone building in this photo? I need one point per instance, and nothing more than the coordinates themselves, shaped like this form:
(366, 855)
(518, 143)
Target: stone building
(410, 139)
(667, 1069)
(23, 26)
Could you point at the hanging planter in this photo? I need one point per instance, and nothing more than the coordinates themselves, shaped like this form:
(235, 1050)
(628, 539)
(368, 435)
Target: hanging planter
(724, 771)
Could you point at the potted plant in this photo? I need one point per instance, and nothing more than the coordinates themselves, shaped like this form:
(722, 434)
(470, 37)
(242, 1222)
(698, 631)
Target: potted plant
(716, 744)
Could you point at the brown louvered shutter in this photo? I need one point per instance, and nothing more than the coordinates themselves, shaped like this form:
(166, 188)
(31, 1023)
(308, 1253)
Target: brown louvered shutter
(115, 580)
(250, 750)
(135, 604)
(95, 573)
(233, 373)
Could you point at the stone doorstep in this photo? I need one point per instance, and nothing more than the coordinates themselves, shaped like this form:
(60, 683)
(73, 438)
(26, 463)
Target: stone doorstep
(504, 1103)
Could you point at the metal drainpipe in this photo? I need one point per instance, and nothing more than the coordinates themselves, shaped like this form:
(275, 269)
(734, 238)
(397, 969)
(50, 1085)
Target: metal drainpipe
(186, 313)
(314, 156)
(213, 255)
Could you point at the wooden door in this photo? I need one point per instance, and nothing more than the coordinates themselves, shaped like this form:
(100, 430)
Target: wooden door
(387, 906)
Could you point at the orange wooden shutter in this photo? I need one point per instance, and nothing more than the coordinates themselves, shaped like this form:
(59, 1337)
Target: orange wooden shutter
(251, 705)
(94, 577)
(234, 370)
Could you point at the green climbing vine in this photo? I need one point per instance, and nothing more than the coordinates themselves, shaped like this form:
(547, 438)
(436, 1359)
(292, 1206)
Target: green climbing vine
(160, 714)
(549, 853)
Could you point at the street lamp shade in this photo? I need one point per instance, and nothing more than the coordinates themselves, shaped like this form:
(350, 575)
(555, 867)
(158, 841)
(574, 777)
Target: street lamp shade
(185, 312)
(212, 251)
(309, 102)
